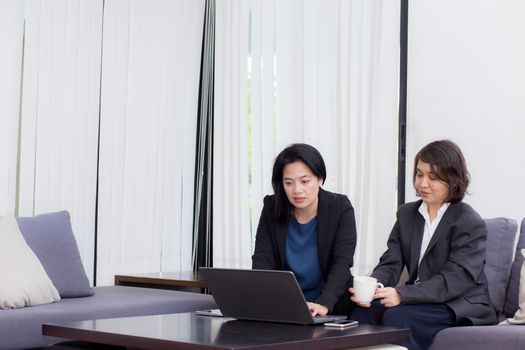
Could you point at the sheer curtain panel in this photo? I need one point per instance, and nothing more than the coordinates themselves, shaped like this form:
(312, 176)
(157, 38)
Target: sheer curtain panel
(11, 42)
(150, 84)
(320, 72)
(59, 113)
(231, 238)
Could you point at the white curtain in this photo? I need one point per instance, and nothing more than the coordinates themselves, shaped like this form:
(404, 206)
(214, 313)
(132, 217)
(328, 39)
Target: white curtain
(320, 72)
(59, 114)
(231, 215)
(150, 79)
(11, 42)
(133, 66)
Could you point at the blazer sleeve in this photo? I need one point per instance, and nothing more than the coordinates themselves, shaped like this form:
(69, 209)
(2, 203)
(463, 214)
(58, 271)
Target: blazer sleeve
(391, 263)
(341, 257)
(264, 256)
(461, 270)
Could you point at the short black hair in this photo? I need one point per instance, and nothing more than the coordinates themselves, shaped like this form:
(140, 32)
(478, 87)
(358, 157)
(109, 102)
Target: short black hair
(293, 153)
(447, 161)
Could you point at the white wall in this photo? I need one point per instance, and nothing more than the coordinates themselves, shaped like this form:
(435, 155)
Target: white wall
(466, 82)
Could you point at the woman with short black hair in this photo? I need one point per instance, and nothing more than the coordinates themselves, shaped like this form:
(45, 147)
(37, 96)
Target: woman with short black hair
(440, 240)
(448, 165)
(307, 230)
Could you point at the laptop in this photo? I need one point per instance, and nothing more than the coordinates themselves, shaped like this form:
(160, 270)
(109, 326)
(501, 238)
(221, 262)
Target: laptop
(260, 295)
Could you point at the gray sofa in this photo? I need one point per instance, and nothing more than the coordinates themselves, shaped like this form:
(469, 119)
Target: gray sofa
(51, 238)
(503, 266)
(22, 328)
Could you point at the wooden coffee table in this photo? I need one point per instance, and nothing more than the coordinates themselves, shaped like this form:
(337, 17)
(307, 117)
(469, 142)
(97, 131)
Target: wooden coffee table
(191, 331)
(184, 280)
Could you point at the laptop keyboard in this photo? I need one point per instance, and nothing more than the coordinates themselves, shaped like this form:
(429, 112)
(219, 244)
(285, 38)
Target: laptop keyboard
(328, 318)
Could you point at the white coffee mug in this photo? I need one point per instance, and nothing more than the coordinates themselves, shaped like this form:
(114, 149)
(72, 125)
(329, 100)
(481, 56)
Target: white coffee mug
(365, 287)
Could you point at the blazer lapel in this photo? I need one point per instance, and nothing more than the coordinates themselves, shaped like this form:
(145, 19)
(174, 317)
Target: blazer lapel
(324, 220)
(442, 228)
(415, 245)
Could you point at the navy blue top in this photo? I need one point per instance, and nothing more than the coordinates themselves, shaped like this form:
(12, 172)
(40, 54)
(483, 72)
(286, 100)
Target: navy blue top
(302, 258)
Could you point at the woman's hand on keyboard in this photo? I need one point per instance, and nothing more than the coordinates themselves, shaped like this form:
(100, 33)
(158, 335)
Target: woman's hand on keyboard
(317, 309)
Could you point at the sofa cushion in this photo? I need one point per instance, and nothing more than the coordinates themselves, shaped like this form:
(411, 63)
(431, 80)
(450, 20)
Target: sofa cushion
(511, 304)
(479, 338)
(519, 316)
(24, 281)
(501, 234)
(51, 238)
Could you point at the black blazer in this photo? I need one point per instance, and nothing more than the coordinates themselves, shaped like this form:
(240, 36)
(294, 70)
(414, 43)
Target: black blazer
(451, 270)
(336, 239)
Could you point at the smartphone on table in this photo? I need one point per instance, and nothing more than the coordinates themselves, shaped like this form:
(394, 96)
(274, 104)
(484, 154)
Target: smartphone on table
(212, 312)
(341, 324)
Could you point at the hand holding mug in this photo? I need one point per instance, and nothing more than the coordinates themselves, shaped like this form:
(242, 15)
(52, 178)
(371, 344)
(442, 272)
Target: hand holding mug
(389, 296)
(364, 290)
